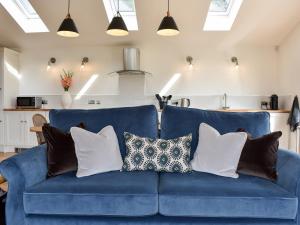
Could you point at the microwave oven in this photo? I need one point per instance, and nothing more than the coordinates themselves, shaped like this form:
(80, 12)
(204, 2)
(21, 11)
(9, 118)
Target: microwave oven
(29, 102)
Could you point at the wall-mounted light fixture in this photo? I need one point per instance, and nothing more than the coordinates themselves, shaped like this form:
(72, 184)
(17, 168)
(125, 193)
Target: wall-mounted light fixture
(235, 61)
(51, 61)
(84, 61)
(189, 60)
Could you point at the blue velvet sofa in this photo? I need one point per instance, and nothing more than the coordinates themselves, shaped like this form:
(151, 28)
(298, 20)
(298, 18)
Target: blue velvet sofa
(150, 198)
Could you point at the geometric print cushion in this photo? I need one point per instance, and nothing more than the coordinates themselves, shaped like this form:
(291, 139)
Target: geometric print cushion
(157, 154)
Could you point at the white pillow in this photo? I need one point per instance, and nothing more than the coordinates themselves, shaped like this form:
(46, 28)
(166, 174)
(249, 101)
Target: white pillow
(218, 154)
(96, 153)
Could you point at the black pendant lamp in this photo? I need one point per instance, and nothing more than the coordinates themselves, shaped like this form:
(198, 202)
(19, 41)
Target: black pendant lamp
(117, 26)
(68, 27)
(168, 25)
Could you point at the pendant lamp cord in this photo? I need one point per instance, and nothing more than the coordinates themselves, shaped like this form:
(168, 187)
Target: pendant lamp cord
(118, 11)
(168, 13)
(68, 7)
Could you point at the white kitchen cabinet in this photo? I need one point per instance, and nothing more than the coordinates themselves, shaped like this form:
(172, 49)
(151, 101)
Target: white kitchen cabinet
(9, 89)
(2, 137)
(295, 140)
(17, 129)
(10, 77)
(278, 122)
(14, 129)
(46, 114)
(30, 138)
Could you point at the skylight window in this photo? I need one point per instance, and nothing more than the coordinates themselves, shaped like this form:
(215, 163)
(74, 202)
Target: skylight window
(127, 10)
(222, 14)
(220, 6)
(25, 15)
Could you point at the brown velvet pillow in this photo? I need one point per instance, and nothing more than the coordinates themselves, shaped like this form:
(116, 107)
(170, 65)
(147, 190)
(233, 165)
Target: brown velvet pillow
(61, 157)
(259, 156)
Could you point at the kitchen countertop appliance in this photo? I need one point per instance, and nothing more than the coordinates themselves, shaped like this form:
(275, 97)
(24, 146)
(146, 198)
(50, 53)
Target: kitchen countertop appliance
(274, 102)
(183, 102)
(163, 100)
(29, 102)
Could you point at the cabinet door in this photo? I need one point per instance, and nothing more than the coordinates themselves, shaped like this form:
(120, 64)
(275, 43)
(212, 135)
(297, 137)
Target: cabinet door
(46, 114)
(30, 138)
(2, 138)
(278, 122)
(14, 128)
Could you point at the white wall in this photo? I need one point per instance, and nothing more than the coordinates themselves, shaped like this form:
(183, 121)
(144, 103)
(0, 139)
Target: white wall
(289, 71)
(289, 64)
(213, 73)
(36, 80)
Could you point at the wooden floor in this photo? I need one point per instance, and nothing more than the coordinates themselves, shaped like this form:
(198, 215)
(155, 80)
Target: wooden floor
(4, 156)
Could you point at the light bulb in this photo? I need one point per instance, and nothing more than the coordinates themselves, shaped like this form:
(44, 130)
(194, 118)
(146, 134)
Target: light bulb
(48, 67)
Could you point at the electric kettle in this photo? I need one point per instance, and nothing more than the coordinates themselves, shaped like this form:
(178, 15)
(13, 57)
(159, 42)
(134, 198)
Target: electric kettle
(183, 102)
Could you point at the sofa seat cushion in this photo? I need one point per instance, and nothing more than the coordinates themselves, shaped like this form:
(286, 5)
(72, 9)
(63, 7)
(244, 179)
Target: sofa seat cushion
(205, 195)
(107, 194)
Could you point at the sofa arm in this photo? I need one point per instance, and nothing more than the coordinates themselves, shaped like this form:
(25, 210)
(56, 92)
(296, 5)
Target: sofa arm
(288, 168)
(22, 171)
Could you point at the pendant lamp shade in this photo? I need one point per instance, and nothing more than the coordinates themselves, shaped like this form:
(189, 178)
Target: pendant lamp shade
(68, 27)
(168, 26)
(117, 26)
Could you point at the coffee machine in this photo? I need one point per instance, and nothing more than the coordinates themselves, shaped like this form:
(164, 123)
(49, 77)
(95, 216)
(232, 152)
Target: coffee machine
(274, 102)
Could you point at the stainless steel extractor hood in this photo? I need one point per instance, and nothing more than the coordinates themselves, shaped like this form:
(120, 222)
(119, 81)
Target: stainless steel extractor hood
(131, 62)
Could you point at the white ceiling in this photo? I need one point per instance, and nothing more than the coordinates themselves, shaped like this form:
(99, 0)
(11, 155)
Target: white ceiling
(259, 22)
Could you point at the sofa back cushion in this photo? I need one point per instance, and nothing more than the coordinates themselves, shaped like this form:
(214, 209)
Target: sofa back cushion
(176, 122)
(140, 120)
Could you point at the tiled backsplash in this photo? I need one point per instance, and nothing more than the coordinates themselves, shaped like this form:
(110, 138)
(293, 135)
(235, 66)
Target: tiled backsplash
(204, 102)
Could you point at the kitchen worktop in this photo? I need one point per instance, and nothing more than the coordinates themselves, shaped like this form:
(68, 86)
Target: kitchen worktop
(254, 110)
(222, 110)
(248, 110)
(25, 110)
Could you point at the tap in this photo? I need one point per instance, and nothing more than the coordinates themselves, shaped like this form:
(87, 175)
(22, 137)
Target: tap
(225, 102)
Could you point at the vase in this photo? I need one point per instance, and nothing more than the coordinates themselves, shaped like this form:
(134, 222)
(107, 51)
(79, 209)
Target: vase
(66, 100)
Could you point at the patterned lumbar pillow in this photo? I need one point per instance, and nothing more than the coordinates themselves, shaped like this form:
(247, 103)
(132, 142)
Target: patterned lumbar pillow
(157, 154)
